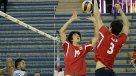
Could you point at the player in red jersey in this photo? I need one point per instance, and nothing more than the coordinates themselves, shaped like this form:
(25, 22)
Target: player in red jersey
(74, 53)
(110, 42)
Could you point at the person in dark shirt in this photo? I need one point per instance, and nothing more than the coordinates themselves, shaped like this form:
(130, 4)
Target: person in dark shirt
(5, 2)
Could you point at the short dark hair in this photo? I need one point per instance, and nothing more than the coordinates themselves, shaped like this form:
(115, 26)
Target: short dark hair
(71, 34)
(116, 26)
(38, 72)
(18, 61)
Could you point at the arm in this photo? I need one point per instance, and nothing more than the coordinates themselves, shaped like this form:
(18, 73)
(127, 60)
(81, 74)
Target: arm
(11, 71)
(10, 67)
(2, 71)
(96, 31)
(124, 18)
(65, 26)
(97, 15)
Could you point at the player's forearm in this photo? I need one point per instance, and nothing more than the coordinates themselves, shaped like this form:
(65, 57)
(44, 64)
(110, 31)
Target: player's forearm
(2, 71)
(97, 15)
(11, 71)
(96, 30)
(65, 26)
(124, 18)
(96, 10)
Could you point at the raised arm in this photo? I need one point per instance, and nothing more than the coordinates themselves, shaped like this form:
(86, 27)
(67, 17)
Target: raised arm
(125, 20)
(97, 15)
(65, 26)
(11, 71)
(96, 31)
(2, 71)
(9, 64)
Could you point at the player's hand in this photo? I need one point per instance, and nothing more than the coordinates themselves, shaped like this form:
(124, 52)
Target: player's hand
(117, 6)
(91, 19)
(9, 62)
(74, 16)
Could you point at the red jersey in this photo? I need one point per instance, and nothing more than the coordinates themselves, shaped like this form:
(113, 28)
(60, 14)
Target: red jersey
(108, 46)
(75, 57)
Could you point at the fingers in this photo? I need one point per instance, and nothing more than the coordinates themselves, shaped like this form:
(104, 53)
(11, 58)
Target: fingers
(75, 13)
(91, 19)
(117, 6)
(9, 62)
(95, 1)
(74, 16)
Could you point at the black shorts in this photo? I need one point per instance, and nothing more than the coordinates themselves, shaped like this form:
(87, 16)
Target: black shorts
(104, 72)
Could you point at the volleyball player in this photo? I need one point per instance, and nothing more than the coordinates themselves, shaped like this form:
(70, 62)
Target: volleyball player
(20, 67)
(110, 42)
(74, 52)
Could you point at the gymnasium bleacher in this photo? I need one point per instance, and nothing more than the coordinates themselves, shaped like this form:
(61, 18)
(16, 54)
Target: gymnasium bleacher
(49, 16)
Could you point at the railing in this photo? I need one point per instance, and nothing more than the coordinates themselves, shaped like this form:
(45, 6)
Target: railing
(128, 6)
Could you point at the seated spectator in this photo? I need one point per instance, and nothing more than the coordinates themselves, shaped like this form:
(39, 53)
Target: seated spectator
(58, 71)
(61, 73)
(5, 2)
(37, 74)
(20, 68)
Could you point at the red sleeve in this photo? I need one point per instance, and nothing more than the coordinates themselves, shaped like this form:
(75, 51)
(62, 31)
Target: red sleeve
(88, 46)
(66, 46)
(123, 38)
(104, 30)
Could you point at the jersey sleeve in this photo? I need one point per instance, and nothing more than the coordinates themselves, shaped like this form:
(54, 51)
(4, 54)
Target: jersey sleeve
(123, 38)
(66, 46)
(104, 30)
(88, 46)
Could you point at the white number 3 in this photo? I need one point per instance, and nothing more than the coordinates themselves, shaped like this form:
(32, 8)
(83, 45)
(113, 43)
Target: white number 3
(110, 51)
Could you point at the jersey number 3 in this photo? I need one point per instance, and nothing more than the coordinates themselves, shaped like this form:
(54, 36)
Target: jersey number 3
(110, 51)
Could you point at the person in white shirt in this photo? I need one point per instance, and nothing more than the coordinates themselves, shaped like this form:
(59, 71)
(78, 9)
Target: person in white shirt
(58, 72)
(20, 68)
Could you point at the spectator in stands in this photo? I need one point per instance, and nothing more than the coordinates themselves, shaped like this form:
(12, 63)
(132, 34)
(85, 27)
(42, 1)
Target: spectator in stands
(61, 72)
(56, 71)
(20, 67)
(133, 61)
(37, 74)
(9, 67)
(5, 2)
(108, 6)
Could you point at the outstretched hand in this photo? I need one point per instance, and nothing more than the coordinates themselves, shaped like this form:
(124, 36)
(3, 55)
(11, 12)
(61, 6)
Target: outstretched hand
(117, 6)
(9, 62)
(91, 19)
(74, 16)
